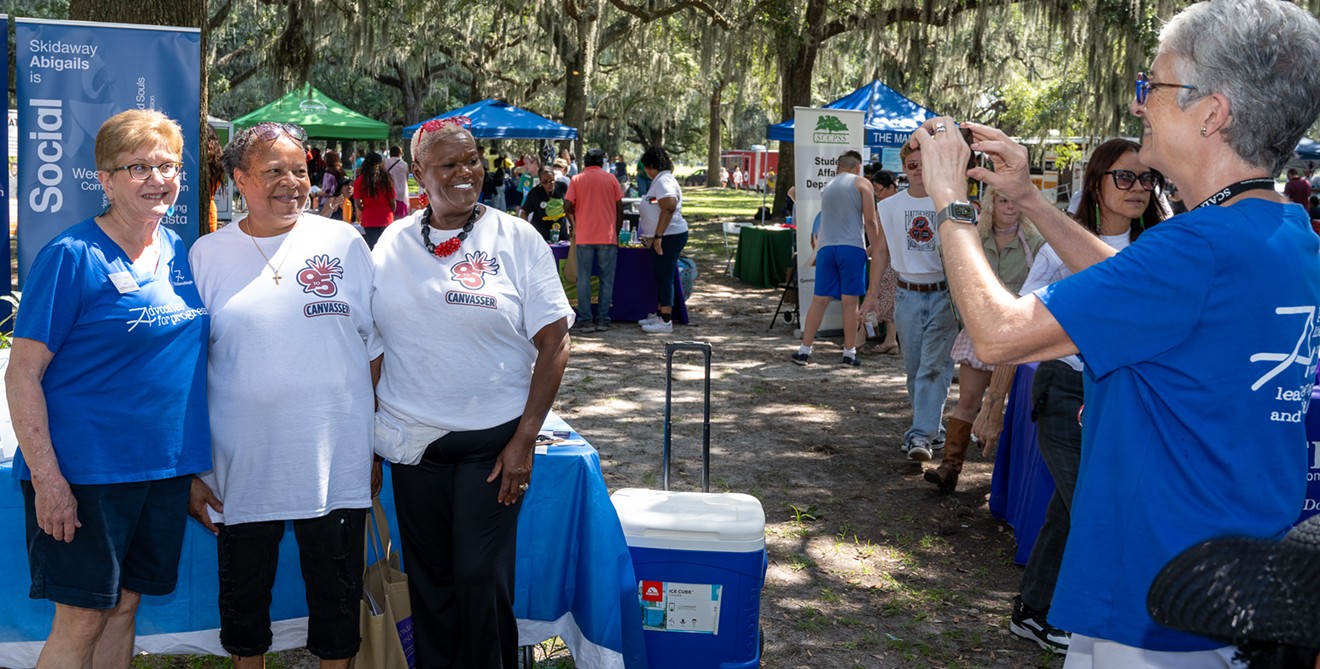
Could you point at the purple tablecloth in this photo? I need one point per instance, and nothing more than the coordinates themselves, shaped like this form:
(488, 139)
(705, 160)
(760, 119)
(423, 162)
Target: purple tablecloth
(634, 285)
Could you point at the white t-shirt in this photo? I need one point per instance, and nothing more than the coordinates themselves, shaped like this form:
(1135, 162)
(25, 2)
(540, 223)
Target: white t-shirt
(457, 331)
(398, 170)
(914, 241)
(1048, 268)
(289, 378)
(664, 185)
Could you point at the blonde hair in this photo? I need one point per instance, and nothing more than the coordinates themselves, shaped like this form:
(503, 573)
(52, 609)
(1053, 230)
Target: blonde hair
(986, 225)
(424, 138)
(133, 129)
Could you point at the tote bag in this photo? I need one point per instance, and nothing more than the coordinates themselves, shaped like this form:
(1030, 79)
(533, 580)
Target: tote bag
(386, 625)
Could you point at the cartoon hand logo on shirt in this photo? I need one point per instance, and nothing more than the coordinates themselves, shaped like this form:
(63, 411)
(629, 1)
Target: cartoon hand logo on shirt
(471, 272)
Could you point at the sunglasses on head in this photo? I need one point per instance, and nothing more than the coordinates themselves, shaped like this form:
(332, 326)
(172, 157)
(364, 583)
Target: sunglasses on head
(1125, 179)
(269, 131)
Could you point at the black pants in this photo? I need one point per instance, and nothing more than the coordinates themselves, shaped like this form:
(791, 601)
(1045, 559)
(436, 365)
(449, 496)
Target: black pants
(1056, 393)
(458, 549)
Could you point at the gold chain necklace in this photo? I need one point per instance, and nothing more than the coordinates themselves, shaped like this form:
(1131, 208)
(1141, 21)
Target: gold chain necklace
(275, 270)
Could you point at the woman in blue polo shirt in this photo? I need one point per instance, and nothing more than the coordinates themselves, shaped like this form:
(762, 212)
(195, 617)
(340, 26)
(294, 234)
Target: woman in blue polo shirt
(107, 388)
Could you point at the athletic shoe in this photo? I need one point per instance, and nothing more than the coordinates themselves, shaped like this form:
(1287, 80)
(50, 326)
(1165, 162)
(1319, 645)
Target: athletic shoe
(602, 327)
(801, 358)
(663, 327)
(582, 327)
(852, 362)
(650, 318)
(937, 444)
(1031, 625)
(918, 449)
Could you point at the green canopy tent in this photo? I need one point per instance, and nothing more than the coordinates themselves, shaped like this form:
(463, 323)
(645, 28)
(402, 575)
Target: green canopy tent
(321, 116)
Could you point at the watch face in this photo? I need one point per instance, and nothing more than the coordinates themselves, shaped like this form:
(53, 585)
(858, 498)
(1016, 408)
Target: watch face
(962, 211)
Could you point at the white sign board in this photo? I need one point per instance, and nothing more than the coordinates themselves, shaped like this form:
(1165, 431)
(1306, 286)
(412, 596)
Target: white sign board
(820, 136)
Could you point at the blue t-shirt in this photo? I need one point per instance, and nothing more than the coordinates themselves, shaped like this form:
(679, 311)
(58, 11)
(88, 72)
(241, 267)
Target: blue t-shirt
(126, 388)
(1199, 342)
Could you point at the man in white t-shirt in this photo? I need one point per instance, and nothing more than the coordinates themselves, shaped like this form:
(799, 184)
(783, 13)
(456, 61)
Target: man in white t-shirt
(398, 169)
(923, 309)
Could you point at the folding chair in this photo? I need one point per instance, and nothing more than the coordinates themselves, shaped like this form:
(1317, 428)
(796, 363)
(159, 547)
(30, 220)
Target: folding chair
(734, 229)
(788, 300)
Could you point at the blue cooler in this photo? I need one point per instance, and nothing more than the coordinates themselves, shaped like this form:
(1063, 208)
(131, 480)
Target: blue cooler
(700, 561)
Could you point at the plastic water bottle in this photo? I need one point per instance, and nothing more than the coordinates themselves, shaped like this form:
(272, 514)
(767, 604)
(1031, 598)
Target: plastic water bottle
(872, 322)
(554, 234)
(625, 234)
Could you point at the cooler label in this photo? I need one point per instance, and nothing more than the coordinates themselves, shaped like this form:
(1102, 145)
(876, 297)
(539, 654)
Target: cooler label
(680, 607)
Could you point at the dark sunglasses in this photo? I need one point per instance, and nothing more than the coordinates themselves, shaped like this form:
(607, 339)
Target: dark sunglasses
(269, 131)
(1125, 179)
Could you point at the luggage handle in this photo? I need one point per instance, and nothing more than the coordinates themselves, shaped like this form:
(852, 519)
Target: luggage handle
(671, 348)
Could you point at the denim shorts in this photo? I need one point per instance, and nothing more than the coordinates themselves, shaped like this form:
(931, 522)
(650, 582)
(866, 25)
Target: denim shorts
(130, 539)
(330, 550)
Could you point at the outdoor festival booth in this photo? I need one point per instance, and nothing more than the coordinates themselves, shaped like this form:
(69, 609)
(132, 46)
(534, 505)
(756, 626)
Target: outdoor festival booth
(634, 286)
(321, 116)
(574, 574)
(889, 118)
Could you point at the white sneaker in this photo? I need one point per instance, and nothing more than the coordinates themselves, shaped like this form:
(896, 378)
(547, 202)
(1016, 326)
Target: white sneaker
(662, 327)
(650, 318)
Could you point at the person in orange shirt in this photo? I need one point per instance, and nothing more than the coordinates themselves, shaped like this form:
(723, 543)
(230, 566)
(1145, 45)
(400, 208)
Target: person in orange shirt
(594, 205)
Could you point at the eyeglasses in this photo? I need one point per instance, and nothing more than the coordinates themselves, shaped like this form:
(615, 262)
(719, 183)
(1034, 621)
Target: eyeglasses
(269, 131)
(142, 171)
(1145, 86)
(1125, 179)
(912, 165)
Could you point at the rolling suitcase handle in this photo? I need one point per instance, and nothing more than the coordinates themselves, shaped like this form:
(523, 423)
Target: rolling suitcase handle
(704, 349)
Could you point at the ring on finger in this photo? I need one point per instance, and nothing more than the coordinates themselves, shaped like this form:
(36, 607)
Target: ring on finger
(523, 487)
(939, 127)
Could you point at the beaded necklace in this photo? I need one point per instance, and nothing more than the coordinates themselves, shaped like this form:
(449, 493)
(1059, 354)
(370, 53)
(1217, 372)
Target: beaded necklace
(449, 246)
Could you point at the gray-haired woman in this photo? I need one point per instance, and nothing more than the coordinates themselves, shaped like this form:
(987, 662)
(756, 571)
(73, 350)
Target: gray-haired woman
(1192, 426)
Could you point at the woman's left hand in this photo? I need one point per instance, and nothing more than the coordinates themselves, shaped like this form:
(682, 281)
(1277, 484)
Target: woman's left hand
(655, 246)
(514, 469)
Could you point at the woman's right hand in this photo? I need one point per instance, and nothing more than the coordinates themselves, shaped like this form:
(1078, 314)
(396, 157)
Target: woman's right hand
(199, 498)
(57, 509)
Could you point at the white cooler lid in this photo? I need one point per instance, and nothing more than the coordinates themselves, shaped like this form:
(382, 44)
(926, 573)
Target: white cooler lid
(728, 522)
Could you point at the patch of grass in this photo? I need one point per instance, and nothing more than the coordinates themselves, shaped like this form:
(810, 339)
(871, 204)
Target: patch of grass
(705, 204)
(804, 514)
(800, 562)
(811, 620)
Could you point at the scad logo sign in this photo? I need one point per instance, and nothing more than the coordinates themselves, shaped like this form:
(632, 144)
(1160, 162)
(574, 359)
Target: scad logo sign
(830, 130)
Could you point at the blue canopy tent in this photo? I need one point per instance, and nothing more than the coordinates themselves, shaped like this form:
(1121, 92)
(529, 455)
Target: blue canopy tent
(1308, 149)
(497, 119)
(890, 116)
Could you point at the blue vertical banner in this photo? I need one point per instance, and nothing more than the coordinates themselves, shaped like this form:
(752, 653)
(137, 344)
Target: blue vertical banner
(71, 77)
(5, 309)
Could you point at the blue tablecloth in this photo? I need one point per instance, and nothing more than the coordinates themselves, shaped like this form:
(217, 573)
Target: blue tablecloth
(1021, 487)
(574, 575)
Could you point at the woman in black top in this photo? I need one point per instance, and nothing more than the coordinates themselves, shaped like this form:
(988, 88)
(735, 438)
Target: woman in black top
(534, 205)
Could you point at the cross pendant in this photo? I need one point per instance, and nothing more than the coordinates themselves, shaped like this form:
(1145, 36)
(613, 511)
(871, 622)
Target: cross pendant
(276, 278)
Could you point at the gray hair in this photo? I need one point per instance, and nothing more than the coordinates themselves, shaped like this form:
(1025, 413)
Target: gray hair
(1261, 55)
(424, 138)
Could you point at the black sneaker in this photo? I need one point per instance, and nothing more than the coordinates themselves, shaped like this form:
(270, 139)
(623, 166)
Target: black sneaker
(1032, 625)
(852, 362)
(801, 358)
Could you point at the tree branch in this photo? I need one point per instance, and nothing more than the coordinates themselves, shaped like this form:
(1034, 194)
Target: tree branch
(699, 5)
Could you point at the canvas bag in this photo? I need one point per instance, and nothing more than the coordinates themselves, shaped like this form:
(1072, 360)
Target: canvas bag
(386, 625)
(570, 265)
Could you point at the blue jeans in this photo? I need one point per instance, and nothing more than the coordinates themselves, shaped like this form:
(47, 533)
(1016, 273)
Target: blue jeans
(605, 257)
(926, 329)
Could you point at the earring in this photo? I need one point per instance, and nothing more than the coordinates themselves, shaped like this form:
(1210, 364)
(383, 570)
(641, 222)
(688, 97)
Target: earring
(423, 200)
(1203, 131)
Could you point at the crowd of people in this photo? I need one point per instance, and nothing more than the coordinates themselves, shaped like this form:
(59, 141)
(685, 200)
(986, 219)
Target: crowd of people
(1162, 420)
(1161, 415)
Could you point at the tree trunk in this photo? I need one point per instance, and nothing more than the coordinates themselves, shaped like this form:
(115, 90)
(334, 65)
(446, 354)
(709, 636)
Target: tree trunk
(796, 92)
(575, 93)
(713, 143)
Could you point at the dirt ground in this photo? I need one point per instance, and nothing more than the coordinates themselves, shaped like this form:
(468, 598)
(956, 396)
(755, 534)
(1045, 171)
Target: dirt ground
(868, 565)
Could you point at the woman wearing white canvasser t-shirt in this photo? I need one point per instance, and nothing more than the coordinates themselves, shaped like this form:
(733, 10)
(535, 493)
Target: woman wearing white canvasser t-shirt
(474, 323)
(663, 229)
(290, 398)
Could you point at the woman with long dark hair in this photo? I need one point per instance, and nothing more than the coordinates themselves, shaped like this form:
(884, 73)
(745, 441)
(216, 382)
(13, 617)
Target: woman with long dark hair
(373, 191)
